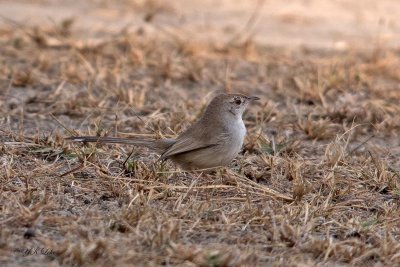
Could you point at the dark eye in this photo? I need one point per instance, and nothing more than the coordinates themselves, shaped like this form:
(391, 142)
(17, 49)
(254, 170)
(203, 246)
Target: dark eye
(238, 101)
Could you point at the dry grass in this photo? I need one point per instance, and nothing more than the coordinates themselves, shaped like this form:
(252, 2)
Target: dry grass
(318, 182)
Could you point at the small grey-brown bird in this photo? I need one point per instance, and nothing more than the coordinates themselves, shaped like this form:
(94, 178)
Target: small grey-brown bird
(213, 141)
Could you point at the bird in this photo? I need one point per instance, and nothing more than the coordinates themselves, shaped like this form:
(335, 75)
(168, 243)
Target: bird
(212, 141)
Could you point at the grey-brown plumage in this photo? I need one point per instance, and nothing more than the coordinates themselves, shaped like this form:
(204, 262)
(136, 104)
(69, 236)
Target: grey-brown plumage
(214, 140)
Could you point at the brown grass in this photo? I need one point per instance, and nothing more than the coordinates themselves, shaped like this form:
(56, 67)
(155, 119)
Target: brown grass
(318, 182)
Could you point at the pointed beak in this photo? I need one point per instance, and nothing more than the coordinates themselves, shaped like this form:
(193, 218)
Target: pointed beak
(252, 98)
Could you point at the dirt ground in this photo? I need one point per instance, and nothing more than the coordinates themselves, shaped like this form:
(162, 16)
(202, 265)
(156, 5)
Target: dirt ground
(316, 184)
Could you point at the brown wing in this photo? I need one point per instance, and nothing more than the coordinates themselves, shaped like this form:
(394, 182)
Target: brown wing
(198, 136)
(184, 145)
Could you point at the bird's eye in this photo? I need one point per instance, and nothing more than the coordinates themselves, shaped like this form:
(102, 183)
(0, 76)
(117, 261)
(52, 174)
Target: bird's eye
(238, 101)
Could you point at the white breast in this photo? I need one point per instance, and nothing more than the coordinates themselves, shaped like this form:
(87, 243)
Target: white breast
(240, 134)
(242, 131)
(233, 144)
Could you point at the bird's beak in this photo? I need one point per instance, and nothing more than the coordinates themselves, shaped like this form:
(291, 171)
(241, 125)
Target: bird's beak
(252, 98)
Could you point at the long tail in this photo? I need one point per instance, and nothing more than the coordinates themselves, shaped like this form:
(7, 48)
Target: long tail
(158, 145)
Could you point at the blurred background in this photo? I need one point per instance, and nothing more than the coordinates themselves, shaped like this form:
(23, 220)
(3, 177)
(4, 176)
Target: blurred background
(327, 24)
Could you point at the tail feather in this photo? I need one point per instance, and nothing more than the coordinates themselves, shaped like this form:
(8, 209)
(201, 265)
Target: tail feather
(110, 140)
(158, 145)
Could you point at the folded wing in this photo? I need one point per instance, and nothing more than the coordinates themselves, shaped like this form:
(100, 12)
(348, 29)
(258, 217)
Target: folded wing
(185, 145)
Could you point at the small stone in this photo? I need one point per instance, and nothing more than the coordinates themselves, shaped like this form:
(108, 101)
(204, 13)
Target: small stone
(29, 233)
